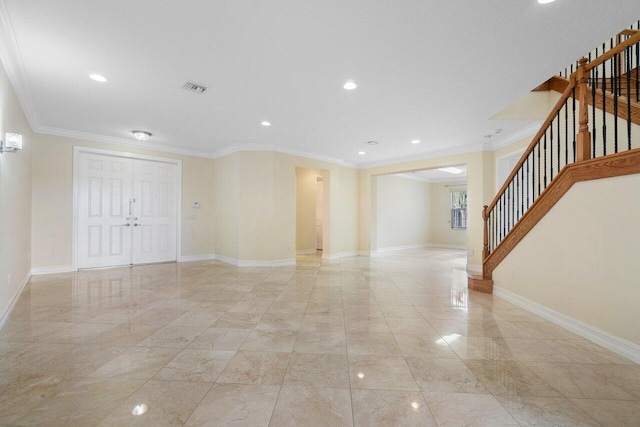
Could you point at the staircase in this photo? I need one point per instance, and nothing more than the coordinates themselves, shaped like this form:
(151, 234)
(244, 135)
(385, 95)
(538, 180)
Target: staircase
(593, 132)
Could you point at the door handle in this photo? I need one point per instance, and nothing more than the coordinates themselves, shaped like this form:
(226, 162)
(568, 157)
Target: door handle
(126, 225)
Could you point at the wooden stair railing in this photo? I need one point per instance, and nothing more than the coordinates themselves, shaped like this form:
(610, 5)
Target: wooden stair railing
(589, 129)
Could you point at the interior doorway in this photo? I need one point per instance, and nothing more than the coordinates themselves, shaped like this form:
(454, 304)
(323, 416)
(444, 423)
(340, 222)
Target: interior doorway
(319, 212)
(311, 229)
(126, 209)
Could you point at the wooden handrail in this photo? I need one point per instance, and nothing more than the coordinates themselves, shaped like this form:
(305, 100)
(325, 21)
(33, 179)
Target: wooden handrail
(545, 125)
(613, 52)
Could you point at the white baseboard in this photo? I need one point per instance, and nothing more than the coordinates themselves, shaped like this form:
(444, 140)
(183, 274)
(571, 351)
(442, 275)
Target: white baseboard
(14, 300)
(472, 268)
(52, 269)
(618, 345)
(199, 257)
(346, 254)
(447, 246)
(417, 246)
(306, 251)
(250, 263)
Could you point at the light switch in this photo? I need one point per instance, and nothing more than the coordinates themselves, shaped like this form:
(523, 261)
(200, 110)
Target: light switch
(196, 205)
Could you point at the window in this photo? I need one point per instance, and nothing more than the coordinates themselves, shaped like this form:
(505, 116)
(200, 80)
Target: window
(459, 209)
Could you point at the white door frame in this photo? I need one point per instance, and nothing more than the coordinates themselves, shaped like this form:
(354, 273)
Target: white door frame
(77, 150)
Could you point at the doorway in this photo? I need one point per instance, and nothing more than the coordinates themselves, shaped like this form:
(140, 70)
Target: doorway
(312, 208)
(126, 209)
(319, 212)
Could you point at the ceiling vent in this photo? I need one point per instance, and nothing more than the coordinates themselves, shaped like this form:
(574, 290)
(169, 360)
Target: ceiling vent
(195, 87)
(372, 143)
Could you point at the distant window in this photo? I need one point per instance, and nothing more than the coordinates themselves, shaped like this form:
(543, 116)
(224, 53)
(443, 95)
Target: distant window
(459, 209)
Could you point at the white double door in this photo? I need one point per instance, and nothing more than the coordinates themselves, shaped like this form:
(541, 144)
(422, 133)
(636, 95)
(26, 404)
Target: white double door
(127, 211)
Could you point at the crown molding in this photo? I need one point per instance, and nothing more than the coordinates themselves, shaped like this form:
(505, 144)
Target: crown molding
(425, 156)
(14, 66)
(234, 148)
(49, 130)
(516, 136)
(409, 175)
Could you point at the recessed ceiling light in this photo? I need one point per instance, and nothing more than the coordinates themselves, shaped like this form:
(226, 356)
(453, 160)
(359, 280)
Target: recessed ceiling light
(350, 85)
(451, 170)
(265, 123)
(98, 78)
(415, 141)
(362, 153)
(141, 135)
(545, 1)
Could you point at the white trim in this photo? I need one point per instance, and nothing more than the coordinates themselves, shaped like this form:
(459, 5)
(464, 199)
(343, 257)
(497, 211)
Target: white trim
(425, 156)
(516, 136)
(306, 251)
(447, 246)
(242, 263)
(235, 148)
(199, 257)
(14, 66)
(14, 300)
(346, 254)
(611, 342)
(401, 248)
(77, 150)
(54, 269)
(462, 180)
(472, 268)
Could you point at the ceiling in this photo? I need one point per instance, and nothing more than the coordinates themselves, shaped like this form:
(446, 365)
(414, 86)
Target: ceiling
(437, 175)
(427, 70)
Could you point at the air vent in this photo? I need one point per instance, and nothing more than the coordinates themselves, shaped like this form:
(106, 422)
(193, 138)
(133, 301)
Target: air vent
(195, 87)
(372, 143)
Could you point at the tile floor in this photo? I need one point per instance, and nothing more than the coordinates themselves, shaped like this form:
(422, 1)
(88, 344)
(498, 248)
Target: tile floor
(388, 341)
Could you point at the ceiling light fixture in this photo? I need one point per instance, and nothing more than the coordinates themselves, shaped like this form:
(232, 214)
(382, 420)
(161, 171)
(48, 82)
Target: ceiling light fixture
(98, 77)
(265, 123)
(141, 135)
(350, 85)
(362, 153)
(451, 170)
(415, 141)
(545, 1)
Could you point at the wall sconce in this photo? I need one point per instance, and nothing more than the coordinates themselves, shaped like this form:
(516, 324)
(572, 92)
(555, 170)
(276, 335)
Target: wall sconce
(13, 143)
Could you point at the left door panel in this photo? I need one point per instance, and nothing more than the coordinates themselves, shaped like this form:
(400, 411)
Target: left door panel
(104, 222)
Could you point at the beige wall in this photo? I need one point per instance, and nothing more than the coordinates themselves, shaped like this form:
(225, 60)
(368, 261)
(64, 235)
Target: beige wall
(306, 188)
(581, 258)
(441, 231)
(479, 188)
(403, 214)
(15, 198)
(52, 219)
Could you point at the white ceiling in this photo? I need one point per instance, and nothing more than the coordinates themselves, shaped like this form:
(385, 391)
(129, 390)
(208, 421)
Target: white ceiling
(434, 71)
(436, 175)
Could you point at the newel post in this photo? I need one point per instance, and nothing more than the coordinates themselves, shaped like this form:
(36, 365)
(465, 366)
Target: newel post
(485, 246)
(583, 140)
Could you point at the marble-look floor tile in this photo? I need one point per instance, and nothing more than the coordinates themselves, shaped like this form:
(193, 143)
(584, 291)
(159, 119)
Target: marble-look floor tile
(612, 412)
(169, 403)
(196, 365)
(20, 393)
(381, 373)
(197, 317)
(313, 323)
(444, 376)
(469, 410)
(546, 411)
(369, 344)
(310, 406)
(577, 381)
(366, 325)
(390, 408)
(255, 367)
(136, 363)
(275, 341)
(220, 339)
(173, 337)
(321, 342)
(625, 377)
(410, 326)
(318, 370)
(424, 346)
(510, 378)
(235, 405)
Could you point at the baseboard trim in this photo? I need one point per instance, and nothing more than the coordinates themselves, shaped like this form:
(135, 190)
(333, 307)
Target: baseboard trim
(447, 246)
(52, 270)
(417, 246)
(340, 255)
(618, 345)
(306, 252)
(14, 300)
(199, 257)
(250, 263)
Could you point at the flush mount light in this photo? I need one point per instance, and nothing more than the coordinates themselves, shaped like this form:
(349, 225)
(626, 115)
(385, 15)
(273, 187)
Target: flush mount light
(139, 409)
(362, 153)
(141, 135)
(415, 141)
(98, 77)
(265, 123)
(451, 170)
(350, 85)
(545, 1)
(12, 143)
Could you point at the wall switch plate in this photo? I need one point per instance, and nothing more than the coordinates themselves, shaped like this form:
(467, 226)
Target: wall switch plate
(196, 205)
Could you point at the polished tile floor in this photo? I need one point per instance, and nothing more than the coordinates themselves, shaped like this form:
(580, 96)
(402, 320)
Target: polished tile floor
(389, 341)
